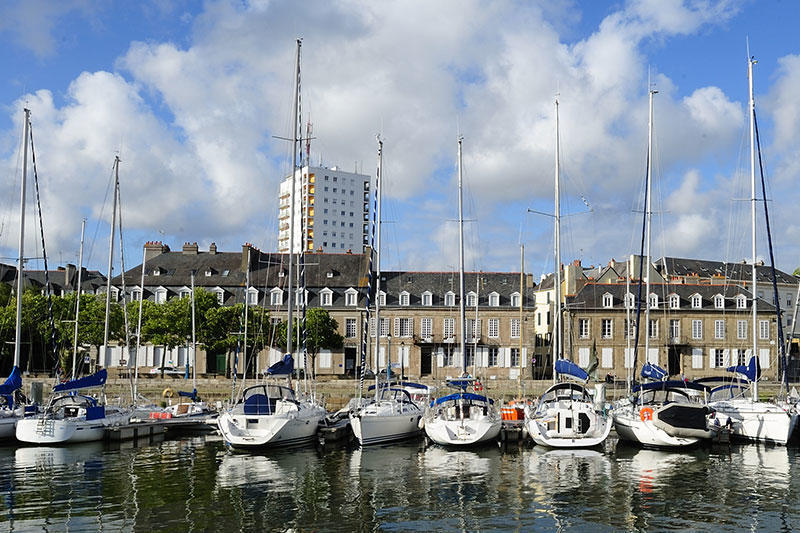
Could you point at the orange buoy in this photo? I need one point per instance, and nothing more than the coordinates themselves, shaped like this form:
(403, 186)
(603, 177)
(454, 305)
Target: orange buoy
(646, 413)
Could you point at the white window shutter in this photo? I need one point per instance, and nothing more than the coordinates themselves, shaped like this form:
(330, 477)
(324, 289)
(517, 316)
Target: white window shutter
(652, 357)
(726, 358)
(764, 357)
(583, 357)
(524, 361)
(697, 358)
(748, 353)
(712, 363)
(508, 357)
(607, 358)
(440, 357)
(396, 328)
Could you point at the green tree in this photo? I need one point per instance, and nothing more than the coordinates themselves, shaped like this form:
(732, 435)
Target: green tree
(322, 332)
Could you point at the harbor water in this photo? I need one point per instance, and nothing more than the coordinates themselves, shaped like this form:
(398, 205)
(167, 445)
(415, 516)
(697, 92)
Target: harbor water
(192, 483)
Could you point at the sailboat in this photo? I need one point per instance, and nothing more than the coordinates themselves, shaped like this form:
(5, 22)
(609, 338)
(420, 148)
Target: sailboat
(565, 416)
(270, 415)
(462, 418)
(392, 414)
(749, 418)
(10, 412)
(68, 416)
(660, 413)
(194, 407)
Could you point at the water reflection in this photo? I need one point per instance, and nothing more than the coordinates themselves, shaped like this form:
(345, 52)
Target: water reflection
(194, 484)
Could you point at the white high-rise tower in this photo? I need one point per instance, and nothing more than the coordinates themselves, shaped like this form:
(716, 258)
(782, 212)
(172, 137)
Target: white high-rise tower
(331, 210)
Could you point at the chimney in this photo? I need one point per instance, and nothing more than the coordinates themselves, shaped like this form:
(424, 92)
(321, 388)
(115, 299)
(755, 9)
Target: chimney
(153, 249)
(212, 249)
(245, 247)
(69, 275)
(190, 248)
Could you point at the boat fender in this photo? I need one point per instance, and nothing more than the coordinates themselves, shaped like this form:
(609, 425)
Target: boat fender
(646, 413)
(167, 393)
(421, 423)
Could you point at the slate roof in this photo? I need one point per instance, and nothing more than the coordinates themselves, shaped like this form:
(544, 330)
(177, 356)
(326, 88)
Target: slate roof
(591, 296)
(734, 271)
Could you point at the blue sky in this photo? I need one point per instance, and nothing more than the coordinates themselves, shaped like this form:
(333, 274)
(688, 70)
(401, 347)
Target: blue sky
(191, 95)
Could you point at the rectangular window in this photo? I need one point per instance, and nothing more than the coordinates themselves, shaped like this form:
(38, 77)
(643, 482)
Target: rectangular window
(607, 330)
(384, 327)
(630, 329)
(697, 329)
(653, 329)
(763, 329)
(515, 328)
(741, 356)
(350, 298)
(448, 327)
(470, 351)
(350, 328)
(719, 357)
(447, 358)
(514, 356)
(493, 350)
(326, 298)
(583, 328)
(494, 328)
(426, 328)
(675, 329)
(741, 329)
(719, 329)
(406, 327)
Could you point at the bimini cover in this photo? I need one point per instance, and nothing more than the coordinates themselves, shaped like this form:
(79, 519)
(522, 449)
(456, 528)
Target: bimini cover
(95, 380)
(651, 371)
(13, 382)
(752, 371)
(284, 366)
(565, 367)
(461, 396)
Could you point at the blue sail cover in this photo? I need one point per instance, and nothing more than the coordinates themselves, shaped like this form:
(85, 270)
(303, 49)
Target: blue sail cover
(95, 380)
(752, 371)
(655, 372)
(284, 366)
(568, 368)
(13, 382)
(191, 395)
(461, 396)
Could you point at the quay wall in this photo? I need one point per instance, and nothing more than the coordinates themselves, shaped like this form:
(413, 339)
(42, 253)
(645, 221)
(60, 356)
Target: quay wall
(334, 392)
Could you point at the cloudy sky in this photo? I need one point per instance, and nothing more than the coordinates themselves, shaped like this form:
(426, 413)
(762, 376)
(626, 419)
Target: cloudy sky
(192, 95)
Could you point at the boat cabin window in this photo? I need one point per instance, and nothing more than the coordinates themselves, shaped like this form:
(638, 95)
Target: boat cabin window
(665, 396)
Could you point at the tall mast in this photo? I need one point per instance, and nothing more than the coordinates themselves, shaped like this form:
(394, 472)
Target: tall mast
(378, 194)
(648, 216)
(750, 62)
(194, 340)
(78, 300)
(289, 331)
(20, 265)
(246, 306)
(557, 346)
(139, 329)
(461, 311)
(110, 257)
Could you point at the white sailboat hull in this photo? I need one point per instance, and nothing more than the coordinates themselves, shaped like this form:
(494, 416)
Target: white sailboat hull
(43, 430)
(630, 426)
(462, 432)
(373, 428)
(757, 421)
(286, 427)
(550, 428)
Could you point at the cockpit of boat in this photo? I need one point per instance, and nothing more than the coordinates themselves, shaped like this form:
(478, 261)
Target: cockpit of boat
(566, 391)
(262, 399)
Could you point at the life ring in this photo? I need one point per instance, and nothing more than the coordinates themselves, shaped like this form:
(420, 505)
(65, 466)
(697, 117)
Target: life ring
(167, 393)
(646, 413)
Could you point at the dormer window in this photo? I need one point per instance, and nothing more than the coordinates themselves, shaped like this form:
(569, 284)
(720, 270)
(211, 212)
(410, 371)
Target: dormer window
(351, 297)
(136, 295)
(184, 293)
(719, 301)
(405, 298)
(326, 297)
(494, 299)
(252, 296)
(427, 298)
(161, 295)
(674, 301)
(515, 300)
(653, 301)
(329, 274)
(697, 301)
(207, 273)
(450, 299)
(741, 302)
(608, 301)
(156, 271)
(114, 294)
(629, 301)
(382, 299)
(276, 296)
(472, 299)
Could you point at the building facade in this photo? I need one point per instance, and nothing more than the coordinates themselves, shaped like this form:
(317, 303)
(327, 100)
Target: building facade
(331, 211)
